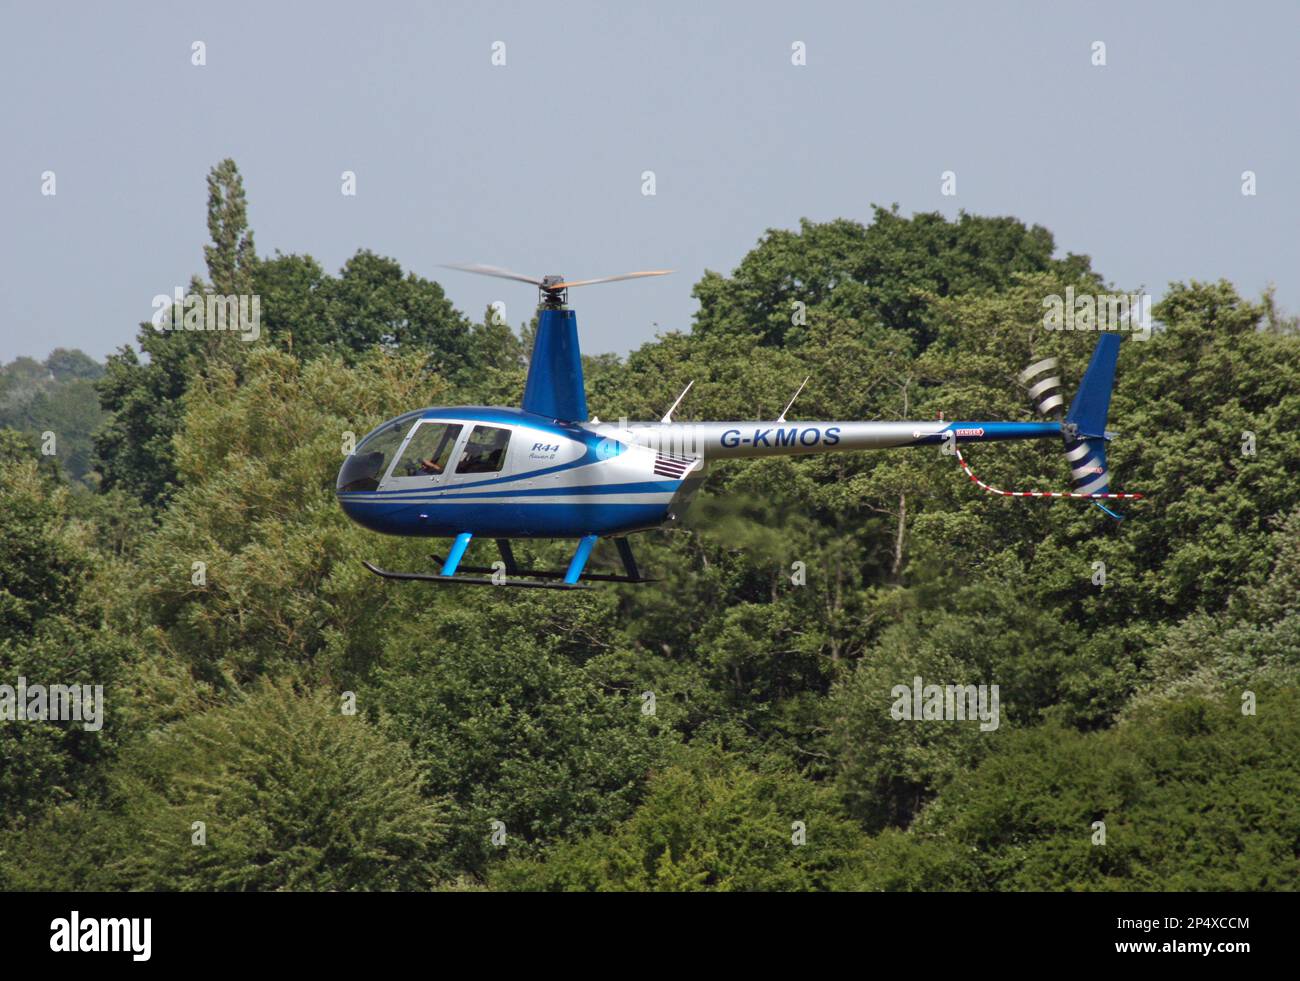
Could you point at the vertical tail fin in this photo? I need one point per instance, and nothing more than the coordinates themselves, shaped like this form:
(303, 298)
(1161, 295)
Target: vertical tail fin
(1085, 423)
(1092, 401)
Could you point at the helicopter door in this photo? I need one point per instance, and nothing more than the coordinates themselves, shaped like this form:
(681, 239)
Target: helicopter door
(484, 453)
(424, 458)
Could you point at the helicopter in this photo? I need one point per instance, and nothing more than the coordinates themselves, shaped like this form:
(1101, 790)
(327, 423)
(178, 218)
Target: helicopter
(548, 470)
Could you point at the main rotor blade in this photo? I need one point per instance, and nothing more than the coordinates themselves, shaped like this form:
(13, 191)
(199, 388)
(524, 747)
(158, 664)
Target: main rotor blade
(497, 271)
(614, 279)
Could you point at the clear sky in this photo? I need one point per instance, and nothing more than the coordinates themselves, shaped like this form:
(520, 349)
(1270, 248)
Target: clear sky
(536, 165)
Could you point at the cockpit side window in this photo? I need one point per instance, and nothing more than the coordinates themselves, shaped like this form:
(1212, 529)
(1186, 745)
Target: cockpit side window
(366, 465)
(427, 452)
(485, 450)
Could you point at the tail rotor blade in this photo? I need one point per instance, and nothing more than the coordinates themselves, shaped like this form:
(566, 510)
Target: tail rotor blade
(1047, 400)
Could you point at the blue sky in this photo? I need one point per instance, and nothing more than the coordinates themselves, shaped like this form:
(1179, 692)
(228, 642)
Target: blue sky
(536, 165)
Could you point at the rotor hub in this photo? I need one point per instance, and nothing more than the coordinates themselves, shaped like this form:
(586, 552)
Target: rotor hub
(553, 291)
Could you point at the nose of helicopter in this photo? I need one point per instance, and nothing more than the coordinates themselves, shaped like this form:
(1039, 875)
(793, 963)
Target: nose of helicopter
(349, 508)
(348, 491)
(361, 511)
(345, 500)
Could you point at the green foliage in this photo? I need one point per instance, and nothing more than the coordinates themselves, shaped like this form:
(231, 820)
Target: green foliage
(43, 563)
(230, 257)
(370, 303)
(886, 768)
(1194, 795)
(291, 793)
(709, 822)
(213, 586)
(510, 728)
(282, 586)
(1256, 638)
(886, 272)
(143, 398)
(47, 637)
(56, 397)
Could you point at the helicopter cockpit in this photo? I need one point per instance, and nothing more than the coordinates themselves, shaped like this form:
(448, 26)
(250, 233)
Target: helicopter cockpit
(366, 465)
(426, 450)
(429, 450)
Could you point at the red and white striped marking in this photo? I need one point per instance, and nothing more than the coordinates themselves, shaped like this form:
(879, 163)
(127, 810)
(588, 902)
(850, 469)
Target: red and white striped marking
(1006, 493)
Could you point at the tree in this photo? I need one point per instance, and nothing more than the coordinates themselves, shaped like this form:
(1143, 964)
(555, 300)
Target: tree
(282, 585)
(301, 311)
(509, 728)
(231, 258)
(57, 397)
(884, 273)
(684, 733)
(278, 791)
(1194, 795)
(70, 365)
(370, 303)
(48, 637)
(708, 823)
(142, 398)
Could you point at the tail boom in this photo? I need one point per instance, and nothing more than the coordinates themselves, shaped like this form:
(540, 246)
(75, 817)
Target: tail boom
(752, 439)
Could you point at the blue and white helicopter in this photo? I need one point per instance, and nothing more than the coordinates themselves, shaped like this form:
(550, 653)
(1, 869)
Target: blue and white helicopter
(545, 470)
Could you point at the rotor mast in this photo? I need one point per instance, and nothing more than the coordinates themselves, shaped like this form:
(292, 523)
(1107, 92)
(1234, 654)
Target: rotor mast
(555, 387)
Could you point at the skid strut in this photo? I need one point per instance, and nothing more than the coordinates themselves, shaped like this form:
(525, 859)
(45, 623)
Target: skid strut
(456, 554)
(579, 560)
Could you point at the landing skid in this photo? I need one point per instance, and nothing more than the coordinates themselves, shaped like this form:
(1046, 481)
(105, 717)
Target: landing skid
(571, 578)
(459, 580)
(551, 573)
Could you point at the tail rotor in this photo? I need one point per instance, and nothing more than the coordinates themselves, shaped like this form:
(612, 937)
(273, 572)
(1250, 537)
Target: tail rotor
(1085, 451)
(1083, 427)
(1044, 387)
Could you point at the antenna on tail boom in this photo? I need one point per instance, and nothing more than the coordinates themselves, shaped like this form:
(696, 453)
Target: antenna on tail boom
(668, 416)
(781, 417)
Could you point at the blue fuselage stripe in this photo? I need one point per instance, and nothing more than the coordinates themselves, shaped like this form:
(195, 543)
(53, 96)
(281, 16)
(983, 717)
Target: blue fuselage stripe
(461, 492)
(505, 520)
(976, 432)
